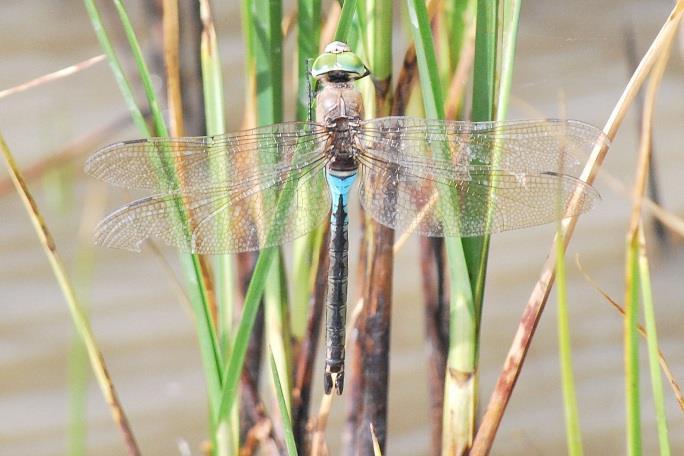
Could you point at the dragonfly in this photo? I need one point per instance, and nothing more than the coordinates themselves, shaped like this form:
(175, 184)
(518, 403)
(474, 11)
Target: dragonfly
(263, 187)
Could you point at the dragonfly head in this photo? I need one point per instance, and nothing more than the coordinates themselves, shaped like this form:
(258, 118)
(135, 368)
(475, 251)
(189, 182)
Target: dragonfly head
(338, 63)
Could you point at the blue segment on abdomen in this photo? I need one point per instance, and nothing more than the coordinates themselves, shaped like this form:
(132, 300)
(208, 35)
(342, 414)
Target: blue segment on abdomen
(339, 186)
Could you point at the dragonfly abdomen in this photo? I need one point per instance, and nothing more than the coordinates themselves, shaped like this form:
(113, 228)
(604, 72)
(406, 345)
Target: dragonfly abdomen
(336, 300)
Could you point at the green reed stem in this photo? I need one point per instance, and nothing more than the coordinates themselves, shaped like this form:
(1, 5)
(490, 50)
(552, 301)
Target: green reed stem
(484, 83)
(459, 389)
(205, 326)
(78, 353)
(269, 68)
(268, 60)
(251, 307)
(631, 342)
(227, 431)
(652, 343)
(244, 330)
(511, 17)
(78, 387)
(369, 374)
(115, 65)
(305, 253)
(344, 25)
(277, 320)
(572, 427)
(212, 86)
(143, 71)
(456, 17)
(283, 406)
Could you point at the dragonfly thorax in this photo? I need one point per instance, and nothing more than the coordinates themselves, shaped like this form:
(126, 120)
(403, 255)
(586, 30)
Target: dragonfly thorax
(340, 109)
(338, 99)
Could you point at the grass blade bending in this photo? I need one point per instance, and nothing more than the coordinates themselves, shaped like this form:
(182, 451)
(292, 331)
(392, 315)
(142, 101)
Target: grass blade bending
(78, 314)
(191, 264)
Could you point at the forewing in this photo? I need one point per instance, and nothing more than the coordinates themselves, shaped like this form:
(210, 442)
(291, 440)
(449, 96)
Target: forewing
(439, 178)
(452, 148)
(224, 220)
(236, 160)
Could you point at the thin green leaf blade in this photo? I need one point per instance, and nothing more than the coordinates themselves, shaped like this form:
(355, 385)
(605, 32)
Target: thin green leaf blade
(344, 24)
(572, 427)
(459, 390)
(652, 344)
(284, 409)
(631, 341)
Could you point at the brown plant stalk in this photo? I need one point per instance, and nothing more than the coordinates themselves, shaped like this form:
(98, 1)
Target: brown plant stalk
(74, 149)
(78, 315)
(532, 312)
(304, 365)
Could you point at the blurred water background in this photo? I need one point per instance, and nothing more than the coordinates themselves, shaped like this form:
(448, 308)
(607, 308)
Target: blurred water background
(570, 62)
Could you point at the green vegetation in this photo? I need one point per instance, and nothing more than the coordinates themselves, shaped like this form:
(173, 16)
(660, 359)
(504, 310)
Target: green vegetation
(225, 315)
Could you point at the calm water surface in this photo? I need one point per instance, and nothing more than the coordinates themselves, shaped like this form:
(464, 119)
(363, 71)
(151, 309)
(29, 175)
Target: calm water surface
(568, 51)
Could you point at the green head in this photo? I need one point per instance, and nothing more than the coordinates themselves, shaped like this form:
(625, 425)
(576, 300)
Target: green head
(338, 63)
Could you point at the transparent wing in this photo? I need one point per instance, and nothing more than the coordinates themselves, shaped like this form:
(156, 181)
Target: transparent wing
(247, 158)
(441, 179)
(222, 219)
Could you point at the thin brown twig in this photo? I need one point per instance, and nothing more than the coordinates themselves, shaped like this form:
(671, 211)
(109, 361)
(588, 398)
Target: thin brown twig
(532, 313)
(171, 39)
(461, 75)
(171, 52)
(646, 136)
(653, 186)
(59, 74)
(74, 149)
(405, 81)
(258, 431)
(663, 362)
